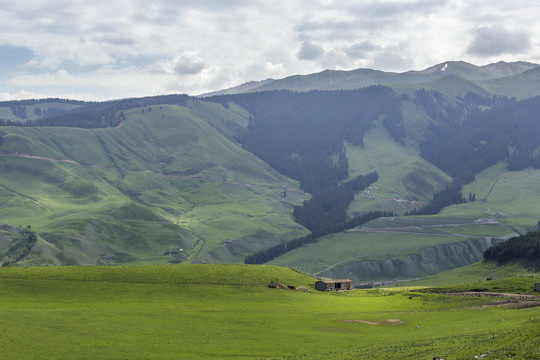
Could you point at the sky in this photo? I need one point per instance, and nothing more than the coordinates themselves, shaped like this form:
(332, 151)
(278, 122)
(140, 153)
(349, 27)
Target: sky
(102, 50)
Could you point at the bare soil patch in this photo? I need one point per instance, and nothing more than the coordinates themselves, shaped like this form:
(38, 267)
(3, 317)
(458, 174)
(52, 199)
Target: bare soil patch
(387, 322)
(514, 301)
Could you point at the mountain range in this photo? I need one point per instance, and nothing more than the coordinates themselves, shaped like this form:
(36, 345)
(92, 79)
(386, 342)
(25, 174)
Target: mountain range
(445, 160)
(352, 79)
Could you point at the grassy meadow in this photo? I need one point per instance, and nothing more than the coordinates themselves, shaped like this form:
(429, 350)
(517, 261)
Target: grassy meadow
(510, 197)
(228, 312)
(33, 112)
(475, 273)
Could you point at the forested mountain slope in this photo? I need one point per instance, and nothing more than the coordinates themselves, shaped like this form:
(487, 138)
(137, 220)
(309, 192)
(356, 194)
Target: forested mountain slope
(462, 136)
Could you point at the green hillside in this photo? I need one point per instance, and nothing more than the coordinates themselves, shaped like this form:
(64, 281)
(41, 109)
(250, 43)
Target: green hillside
(475, 273)
(173, 180)
(406, 181)
(164, 180)
(228, 312)
(22, 111)
(520, 86)
(454, 85)
(510, 197)
(186, 274)
(396, 248)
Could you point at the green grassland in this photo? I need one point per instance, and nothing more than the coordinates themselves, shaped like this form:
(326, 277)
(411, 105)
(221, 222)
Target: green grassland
(164, 179)
(385, 239)
(406, 181)
(512, 284)
(454, 86)
(352, 246)
(35, 111)
(510, 197)
(476, 273)
(228, 312)
(186, 274)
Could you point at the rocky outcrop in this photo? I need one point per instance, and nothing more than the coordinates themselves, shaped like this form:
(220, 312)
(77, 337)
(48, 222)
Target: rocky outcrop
(15, 229)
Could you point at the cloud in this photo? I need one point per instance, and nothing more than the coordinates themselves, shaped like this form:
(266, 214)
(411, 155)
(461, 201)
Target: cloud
(392, 8)
(115, 39)
(491, 41)
(393, 59)
(201, 46)
(20, 95)
(188, 64)
(309, 51)
(360, 50)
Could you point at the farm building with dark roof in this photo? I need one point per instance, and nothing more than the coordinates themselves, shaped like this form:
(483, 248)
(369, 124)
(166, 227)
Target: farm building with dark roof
(332, 285)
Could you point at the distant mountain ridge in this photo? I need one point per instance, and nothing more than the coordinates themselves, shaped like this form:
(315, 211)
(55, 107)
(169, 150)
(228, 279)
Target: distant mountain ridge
(242, 88)
(357, 78)
(502, 68)
(472, 72)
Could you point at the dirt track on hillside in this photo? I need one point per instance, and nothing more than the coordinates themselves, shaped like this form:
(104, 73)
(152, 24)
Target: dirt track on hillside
(28, 156)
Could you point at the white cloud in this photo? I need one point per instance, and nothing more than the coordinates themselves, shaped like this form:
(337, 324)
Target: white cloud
(20, 95)
(188, 64)
(120, 48)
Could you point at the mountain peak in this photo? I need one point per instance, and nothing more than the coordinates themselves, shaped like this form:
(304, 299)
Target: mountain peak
(242, 88)
(502, 68)
(460, 68)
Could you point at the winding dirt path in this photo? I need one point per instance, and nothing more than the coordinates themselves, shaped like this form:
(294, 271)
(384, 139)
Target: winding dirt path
(491, 189)
(28, 156)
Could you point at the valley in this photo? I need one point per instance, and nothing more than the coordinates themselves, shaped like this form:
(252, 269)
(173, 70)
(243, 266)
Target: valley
(287, 180)
(214, 179)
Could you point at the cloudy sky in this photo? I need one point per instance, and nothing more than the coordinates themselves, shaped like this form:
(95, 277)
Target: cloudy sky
(97, 50)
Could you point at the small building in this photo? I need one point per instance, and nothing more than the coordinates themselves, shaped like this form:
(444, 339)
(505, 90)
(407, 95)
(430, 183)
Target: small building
(334, 285)
(536, 286)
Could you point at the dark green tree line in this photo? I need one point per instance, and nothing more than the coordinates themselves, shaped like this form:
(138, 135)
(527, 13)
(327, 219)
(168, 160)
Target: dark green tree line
(88, 114)
(522, 247)
(472, 139)
(450, 195)
(272, 252)
(329, 206)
